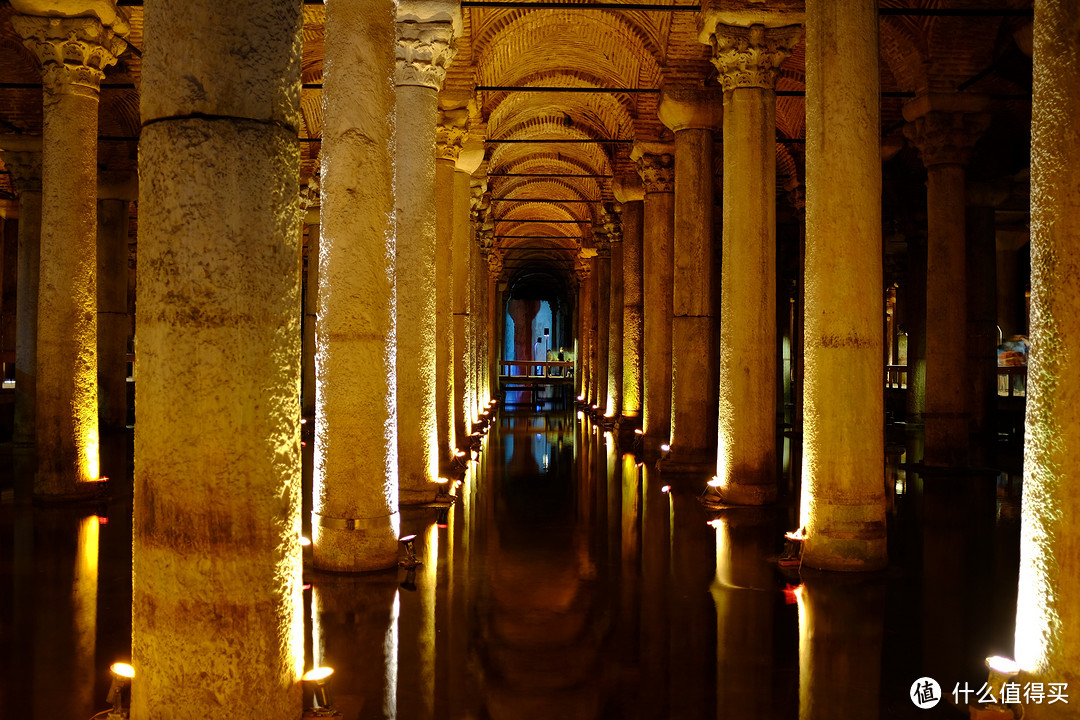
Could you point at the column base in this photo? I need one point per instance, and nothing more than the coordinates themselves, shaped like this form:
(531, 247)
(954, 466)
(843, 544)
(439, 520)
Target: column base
(736, 494)
(691, 461)
(367, 545)
(861, 549)
(418, 496)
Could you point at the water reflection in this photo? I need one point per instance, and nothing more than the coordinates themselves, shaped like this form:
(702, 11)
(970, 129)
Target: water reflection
(566, 582)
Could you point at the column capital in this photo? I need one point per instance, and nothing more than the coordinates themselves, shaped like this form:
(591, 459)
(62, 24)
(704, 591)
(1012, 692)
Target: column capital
(752, 56)
(582, 266)
(451, 133)
(628, 188)
(73, 52)
(25, 169)
(485, 235)
(495, 258)
(945, 127)
(686, 108)
(423, 51)
(655, 165)
(609, 228)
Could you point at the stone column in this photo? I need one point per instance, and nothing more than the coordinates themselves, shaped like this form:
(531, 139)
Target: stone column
(656, 166)
(449, 134)
(1048, 604)
(944, 128)
(73, 53)
(355, 521)
(693, 114)
(463, 263)
(583, 268)
(216, 552)
(311, 315)
(748, 60)
(602, 298)
(25, 168)
(113, 323)
(630, 192)
(492, 300)
(843, 498)
(9, 264)
(424, 48)
(613, 408)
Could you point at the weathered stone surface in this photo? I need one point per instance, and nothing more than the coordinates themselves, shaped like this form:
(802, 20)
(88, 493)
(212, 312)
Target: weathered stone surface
(843, 501)
(259, 80)
(217, 446)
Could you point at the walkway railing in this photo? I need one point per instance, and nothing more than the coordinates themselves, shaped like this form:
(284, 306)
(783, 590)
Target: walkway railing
(1011, 381)
(539, 372)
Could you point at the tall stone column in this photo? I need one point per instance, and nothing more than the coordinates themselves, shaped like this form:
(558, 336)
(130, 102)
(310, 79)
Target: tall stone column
(216, 531)
(355, 522)
(615, 319)
(449, 135)
(424, 49)
(493, 301)
(630, 192)
(1048, 604)
(583, 268)
(748, 59)
(602, 298)
(656, 166)
(944, 128)
(843, 498)
(463, 265)
(113, 323)
(693, 114)
(311, 316)
(73, 53)
(25, 168)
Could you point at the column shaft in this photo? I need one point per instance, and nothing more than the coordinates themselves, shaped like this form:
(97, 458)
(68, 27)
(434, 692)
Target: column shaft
(445, 349)
(657, 303)
(311, 319)
(600, 355)
(355, 521)
(462, 282)
(112, 318)
(693, 366)
(746, 444)
(615, 334)
(633, 326)
(843, 501)
(216, 553)
(1048, 611)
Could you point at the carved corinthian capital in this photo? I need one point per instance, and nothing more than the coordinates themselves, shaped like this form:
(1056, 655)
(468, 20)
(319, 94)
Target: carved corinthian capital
(655, 166)
(495, 257)
(582, 267)
(450, 134)
(423, 52)
(752, 56)
(73, 52)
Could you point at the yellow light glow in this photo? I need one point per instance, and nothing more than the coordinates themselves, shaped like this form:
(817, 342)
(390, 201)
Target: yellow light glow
(442, 480)
(90, 446)
(123, 670)
(305, 542)
(714, 482)
(319, 673)
(1003, 665)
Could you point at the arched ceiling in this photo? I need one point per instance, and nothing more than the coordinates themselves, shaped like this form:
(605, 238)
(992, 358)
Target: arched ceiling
(627, 48)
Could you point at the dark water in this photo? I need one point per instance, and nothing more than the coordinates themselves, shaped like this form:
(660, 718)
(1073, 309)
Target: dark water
(567, 584)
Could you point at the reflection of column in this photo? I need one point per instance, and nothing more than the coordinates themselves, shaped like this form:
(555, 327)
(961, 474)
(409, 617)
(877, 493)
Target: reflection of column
(216, 551)
(749, 59)
(841, 629)
(416, 627)
(693, 620)
(655, 614)
(656, 165)
(630, 193)
(944, 128)
(112, 318)
(25, 168)
(843, 499)
(449, 134)
(744, 612)
(73, 53)
(1048, 605)
(693, 114)
(355, 519)
(424, 48)
(355, 628)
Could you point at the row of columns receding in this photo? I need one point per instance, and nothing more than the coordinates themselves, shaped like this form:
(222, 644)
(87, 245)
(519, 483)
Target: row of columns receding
(217, 451)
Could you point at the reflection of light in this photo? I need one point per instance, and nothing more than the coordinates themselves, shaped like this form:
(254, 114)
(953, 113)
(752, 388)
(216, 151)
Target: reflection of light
(792, 593)
(442, 480)
(545, 461)
(580, 415)
(84, 596)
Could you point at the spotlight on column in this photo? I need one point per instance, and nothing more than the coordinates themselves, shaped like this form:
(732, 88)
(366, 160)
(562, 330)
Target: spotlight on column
(409, 543)
(120, 690)
(317, 688)
(1003, 671)
(665, 488)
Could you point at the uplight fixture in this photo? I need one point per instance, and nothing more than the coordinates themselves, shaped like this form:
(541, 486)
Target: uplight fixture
(317, 687)
(120, 689)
